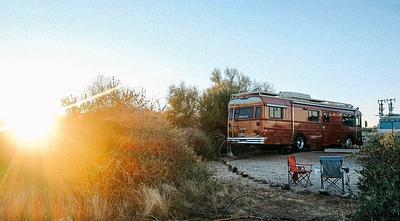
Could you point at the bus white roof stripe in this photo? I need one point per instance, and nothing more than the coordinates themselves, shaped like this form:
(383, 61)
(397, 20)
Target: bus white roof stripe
(276, 105)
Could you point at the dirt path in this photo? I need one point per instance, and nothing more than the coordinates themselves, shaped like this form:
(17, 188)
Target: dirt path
(256, 200)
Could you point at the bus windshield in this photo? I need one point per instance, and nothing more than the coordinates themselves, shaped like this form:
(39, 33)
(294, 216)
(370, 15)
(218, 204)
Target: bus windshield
(242, 113)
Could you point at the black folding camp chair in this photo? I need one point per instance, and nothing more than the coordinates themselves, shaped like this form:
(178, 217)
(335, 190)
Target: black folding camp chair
(332, 172)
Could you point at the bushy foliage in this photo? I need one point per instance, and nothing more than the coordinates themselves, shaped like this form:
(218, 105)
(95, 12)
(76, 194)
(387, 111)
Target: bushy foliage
(380, 181)
(184, 102)
(214, 100)
(126, 150)
(108, 93)
(200, 142)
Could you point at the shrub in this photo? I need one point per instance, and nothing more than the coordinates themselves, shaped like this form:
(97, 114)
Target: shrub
(380, 181)
(200, 142)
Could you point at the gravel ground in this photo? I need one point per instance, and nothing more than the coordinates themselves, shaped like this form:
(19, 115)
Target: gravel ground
(272, 167)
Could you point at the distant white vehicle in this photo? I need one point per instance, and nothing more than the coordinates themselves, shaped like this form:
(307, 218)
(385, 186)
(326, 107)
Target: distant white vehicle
(389, 124)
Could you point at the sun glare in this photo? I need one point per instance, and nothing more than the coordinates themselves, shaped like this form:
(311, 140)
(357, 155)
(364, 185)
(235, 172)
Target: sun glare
(32, 129)
(30, 132)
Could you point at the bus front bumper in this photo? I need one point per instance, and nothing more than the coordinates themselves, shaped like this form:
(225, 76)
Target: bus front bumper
(246, 140)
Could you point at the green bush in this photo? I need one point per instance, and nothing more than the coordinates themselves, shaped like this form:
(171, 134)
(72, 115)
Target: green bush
(200, 142)
(380, 181)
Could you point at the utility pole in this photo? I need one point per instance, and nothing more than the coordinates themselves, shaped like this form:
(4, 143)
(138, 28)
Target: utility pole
(380, 102)
(390, 105)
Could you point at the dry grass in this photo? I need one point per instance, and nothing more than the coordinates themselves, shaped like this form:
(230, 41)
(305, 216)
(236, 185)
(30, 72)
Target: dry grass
(101, 166)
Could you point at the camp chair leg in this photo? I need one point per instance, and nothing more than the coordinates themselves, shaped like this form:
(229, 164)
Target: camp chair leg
(322, 183)
(303, 179)
(308, 179)
(333, 184)
(343, 185)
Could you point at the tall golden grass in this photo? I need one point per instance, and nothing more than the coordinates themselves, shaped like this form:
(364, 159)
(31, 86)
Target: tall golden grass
(102, 166)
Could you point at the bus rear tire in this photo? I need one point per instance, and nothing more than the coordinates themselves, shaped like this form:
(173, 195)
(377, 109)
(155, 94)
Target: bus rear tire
(348, 143)
(299, 143)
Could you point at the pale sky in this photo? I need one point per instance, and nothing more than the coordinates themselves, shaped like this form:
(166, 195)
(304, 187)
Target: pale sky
(346, 51)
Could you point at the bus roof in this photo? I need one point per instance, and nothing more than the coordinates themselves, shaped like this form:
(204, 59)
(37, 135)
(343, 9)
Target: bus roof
(299, 98)
(389, 117)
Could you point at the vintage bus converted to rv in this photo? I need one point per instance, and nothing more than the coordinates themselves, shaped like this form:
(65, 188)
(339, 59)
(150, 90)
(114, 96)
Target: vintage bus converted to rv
(290, 119)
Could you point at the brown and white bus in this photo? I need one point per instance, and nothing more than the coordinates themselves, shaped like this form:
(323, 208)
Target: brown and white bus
(290, 119)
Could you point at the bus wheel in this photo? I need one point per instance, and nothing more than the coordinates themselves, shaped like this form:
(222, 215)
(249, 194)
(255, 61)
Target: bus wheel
(348, 143)
(299, 143)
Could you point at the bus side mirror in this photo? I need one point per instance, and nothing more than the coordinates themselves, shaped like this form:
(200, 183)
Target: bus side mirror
(365, 124)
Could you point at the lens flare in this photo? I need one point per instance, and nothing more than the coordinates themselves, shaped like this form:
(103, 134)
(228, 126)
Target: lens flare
(30, 132)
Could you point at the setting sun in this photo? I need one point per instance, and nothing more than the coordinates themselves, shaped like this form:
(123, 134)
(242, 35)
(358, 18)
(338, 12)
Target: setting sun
(29, 116)
(30, 129)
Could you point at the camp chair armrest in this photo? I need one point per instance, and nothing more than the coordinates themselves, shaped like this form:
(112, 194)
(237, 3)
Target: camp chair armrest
(303, 168)
(305, 164)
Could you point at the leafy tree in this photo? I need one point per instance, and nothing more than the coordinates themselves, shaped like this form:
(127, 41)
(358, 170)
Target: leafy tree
(214, 102)
(262, 86)
(107, 94)
(184, 105)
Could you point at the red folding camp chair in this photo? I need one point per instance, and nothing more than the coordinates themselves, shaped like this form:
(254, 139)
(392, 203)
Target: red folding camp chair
(297, 173)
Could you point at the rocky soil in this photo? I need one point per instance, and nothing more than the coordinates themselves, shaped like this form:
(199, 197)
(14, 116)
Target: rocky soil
(262, 193)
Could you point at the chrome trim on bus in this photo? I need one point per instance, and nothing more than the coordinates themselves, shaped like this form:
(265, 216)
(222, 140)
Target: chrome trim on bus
(276, 105)
(246, 140)
(325, 106)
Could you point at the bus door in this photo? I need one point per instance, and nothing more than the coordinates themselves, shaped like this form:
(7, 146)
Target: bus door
(232, 127)
(358, 137)
(326, 136)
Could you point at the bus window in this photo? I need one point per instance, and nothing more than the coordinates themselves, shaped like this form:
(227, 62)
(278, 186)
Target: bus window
(348, 120)
(276, 112)
(396, 125)
(244, 113)
(258, 112)
(313, 115)
(358, 121)
(326, 117)
(385, 125)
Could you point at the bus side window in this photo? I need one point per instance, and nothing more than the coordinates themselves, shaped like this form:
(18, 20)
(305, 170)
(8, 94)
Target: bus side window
(396, 125)
(348, 120)
(326, 117)
(313, 115)
(275, 113)
(258, 112)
